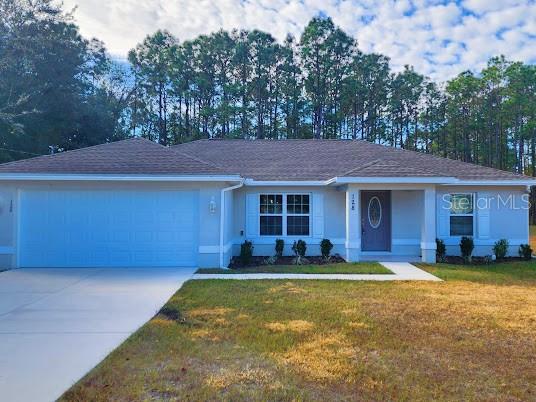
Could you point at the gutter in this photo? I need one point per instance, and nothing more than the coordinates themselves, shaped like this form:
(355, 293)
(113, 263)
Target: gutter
(443, 181)
(116, 177)
(222, 215)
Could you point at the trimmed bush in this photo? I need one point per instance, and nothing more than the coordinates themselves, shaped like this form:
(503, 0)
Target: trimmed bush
(441, 250)
(500, 249)
(466, 248)
(525, 251)
(279, 247)
(299, 248)
(246, 252)
(325, 248)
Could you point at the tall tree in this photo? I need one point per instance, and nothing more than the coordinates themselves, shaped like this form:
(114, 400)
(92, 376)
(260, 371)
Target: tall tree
(326, 54)
(49, 82)
(151, 62)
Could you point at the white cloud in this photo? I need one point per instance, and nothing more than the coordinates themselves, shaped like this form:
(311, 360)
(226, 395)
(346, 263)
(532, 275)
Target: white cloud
(439, 38)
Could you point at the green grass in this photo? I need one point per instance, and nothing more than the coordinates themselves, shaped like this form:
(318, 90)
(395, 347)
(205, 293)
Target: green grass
(342, 268)
(518, 272)
(471, 337)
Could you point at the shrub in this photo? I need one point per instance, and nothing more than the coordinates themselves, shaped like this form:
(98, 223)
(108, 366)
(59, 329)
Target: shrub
(525, 251)
(246, 252)
(299, 248)
(325, 248)
(441, 250)
(279, 247)
(500, 249)
(466, 247)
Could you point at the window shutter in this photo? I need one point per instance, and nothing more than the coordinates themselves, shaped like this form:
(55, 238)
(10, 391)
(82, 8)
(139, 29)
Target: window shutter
(252, 215)
(482, 211)
(443, 214)
(318, 215)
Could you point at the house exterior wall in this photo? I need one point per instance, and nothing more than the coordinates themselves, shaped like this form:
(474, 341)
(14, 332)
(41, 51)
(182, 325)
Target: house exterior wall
(505, 217)
(209, 222)
(407, 203)
(407, 214)
(500, 213)
(406, 218)
(333, 224)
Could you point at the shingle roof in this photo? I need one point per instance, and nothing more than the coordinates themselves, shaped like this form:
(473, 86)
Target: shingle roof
(132, 156)
(324, 159)
(268, 160)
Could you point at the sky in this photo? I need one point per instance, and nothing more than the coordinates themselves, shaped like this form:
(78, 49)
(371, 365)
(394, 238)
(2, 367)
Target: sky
(439, 38)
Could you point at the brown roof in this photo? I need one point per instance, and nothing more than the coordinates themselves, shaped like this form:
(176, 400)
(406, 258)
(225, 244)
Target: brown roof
(268, 160)
(132, 156)
(324, 159)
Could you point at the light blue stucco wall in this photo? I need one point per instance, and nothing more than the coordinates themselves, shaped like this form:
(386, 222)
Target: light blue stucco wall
(508, 218)
(406, 220)
(407, 215)
(334, 221)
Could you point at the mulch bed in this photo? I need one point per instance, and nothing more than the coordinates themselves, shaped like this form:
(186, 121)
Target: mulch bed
(261, 260)
(457, 260)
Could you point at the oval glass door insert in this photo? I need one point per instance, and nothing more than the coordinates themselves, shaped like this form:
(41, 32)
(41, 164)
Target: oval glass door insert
(375, 212)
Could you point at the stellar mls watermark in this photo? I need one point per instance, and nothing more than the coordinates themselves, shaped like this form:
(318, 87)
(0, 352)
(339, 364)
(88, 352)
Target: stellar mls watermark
(498, 201)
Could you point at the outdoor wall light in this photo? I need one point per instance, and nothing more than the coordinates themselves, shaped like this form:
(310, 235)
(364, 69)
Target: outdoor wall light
(212, 205)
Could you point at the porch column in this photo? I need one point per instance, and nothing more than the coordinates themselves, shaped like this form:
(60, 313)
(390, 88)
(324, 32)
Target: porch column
(353, 224)
(428, 228)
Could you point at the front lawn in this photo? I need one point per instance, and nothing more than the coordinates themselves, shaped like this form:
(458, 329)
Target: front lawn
(472, 337)
(510, 273)
(341, 268)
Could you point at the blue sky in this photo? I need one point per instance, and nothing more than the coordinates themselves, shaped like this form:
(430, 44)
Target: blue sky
(439, 38)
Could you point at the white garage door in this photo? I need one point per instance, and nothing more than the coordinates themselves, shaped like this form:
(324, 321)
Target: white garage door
(108, 228)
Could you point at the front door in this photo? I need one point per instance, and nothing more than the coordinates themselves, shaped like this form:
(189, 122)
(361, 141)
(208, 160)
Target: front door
(376, 220)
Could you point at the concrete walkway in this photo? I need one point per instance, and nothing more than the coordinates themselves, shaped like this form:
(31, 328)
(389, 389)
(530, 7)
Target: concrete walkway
(57, 324)
(402, 271)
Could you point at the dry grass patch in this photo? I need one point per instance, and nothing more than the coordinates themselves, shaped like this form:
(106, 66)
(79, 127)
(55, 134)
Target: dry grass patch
(472, 337)
(293, 325)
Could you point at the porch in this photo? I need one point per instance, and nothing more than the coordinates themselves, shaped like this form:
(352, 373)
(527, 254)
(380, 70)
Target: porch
(395, 223)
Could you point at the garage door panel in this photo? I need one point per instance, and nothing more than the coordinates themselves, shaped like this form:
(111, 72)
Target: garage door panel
(103, 228)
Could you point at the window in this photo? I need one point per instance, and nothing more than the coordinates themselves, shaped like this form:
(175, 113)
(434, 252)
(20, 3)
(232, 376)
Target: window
(284, 215)
(298, 215)
(271, 209)
(461, 214)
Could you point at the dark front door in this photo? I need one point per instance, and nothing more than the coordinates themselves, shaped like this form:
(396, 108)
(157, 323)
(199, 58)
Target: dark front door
(376, 220)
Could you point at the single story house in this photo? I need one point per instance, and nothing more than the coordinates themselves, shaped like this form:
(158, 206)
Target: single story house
(136, 203)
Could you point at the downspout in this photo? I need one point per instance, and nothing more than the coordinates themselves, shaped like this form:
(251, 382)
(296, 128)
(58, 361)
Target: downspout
(222, 216)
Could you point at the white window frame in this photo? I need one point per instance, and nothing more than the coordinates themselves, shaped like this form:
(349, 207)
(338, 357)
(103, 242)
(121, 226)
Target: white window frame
(285, 214)
(472, 215)
(282, 214)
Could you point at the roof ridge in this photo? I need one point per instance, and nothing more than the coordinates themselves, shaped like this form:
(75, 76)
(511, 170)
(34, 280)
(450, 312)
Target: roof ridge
(366, 165)
(211, 164)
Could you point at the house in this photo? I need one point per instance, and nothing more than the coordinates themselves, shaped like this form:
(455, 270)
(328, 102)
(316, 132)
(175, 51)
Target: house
(136, 203)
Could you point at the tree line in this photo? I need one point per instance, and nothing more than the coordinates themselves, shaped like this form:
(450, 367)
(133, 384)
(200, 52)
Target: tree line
(60, 91)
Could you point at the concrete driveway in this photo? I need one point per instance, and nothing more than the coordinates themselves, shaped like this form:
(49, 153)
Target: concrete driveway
(57, 324)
